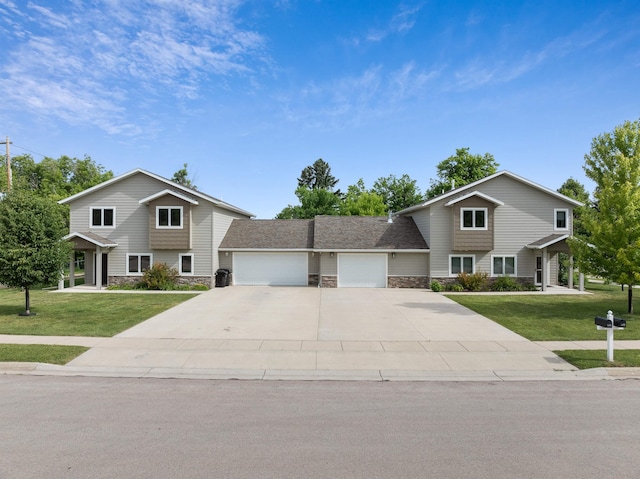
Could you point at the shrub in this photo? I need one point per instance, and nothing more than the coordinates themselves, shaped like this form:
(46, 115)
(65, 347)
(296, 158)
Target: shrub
(505, 283)
(160, 276)
(436, 287)
(455, 288)
(473, 282)
(200, 287)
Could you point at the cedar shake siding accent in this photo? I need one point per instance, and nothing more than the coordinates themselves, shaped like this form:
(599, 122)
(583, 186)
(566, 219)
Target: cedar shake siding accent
(470, 239)
(169, 238)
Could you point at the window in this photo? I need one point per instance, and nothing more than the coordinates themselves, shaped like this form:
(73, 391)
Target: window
(185, 264)
(461, 264)
(169, 216)
(503, 266)
(473, 218)
(102, 217)
(561, 219)
(137, 263)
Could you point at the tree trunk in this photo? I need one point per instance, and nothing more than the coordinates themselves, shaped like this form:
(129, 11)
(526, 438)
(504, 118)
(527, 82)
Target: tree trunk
(630, 297)
(27, 308)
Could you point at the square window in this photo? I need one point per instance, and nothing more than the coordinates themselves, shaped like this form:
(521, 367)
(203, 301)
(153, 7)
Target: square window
(169, 217)
(138, 263)
(460, 264)
(102, 217)
(473, 218)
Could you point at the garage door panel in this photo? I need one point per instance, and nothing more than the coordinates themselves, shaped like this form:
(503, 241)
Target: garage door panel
(362, 270)
(270, 269)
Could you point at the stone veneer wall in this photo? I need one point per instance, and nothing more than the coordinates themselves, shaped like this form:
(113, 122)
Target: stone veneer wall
(313, 280)
(418, 282)
(190, 280)
(329, 281)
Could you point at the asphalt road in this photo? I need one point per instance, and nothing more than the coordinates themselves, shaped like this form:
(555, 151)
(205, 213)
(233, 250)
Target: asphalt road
(62, 427)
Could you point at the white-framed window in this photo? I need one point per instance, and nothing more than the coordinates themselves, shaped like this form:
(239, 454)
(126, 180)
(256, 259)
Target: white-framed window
(504, 266)
(461, 264)
(102, 217)
(137, 263)
(185, 264)
(168, 216)
(473, 218)
(561, 219)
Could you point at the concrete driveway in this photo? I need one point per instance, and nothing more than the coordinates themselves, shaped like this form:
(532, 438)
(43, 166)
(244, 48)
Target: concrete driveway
(253, 331)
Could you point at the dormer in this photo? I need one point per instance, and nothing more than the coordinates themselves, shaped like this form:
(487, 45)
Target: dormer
(169, 220)
(473, 220)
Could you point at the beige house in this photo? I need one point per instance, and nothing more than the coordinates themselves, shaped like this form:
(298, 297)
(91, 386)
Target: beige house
(504, 225)
(129, 222)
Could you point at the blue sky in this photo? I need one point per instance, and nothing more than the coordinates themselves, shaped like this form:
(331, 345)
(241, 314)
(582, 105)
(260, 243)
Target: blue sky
(249, 93)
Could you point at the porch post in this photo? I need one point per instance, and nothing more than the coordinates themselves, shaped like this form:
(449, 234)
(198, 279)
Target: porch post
(570, 277)
(72, 270)
(581, 282)
(545, 269)
(98, 267)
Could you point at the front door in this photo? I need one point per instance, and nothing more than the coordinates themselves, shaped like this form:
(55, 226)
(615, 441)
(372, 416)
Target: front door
(538, 270)
(105, 270)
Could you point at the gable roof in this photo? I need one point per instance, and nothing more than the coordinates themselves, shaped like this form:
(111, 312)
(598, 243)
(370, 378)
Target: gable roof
(471, 186)
(160, 194)
(92, 238)
(269, 235)
(325, 233)
(476, 194)
(171, 184)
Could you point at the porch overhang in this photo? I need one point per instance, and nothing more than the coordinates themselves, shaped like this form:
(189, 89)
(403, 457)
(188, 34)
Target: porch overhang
(89, 240)
(548, 241)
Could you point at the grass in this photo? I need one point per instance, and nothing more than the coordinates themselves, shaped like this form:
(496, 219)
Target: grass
(540, 317)
(80, 314)
(39, 353)
(586, 359)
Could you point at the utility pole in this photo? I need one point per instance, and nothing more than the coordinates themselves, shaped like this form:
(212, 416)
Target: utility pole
(9, 177)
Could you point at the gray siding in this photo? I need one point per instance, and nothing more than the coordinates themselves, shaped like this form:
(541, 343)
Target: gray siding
(131, 231)
(314, 263)
(422, 219)
(526, 216)
(329, 265)
(408, 264)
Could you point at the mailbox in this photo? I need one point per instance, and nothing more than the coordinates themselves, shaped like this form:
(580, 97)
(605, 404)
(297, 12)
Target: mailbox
(608, 323)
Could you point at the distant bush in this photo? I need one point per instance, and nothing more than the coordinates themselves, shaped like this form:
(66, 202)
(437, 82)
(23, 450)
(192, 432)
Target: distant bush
(455, 288)
(436, 287)
(473, 282)
(505, 283)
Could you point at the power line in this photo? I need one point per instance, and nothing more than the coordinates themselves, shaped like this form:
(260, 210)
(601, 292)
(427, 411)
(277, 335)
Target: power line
(30, 151)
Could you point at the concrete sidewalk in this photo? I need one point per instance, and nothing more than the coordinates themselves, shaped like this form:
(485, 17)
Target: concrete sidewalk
(312, 333)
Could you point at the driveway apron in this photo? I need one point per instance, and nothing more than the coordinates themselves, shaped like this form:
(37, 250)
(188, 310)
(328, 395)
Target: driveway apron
(320, 329)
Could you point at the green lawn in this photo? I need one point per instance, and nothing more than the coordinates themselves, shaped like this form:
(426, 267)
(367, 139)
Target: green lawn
(586, 359)
(39, 353)
(541, 317)
(80, 314)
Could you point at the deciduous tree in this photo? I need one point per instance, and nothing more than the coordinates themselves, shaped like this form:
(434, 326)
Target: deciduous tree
(461, 169)
(32, 250)
(612, 250)
(313, 202)
(362, 202)
(398, 193)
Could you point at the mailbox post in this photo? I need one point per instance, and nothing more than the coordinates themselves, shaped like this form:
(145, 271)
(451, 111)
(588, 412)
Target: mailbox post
(610, 324)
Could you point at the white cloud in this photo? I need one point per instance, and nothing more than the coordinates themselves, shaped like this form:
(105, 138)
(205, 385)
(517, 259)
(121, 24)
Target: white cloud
(89, 61)
(402, 21)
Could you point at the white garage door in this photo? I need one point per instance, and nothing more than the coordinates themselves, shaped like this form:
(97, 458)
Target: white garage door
(362, 270)
(275, 269)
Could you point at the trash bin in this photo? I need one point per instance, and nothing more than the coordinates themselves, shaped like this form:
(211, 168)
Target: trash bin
(222, 278)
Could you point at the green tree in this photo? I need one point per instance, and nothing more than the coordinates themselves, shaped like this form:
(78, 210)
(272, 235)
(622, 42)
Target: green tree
(54, 178)
(461, 169)
(313, 202)
(361, 202)
(32, 251)
(182, 177)
(318, 176)
(398, 193)
(576, 190)
(612, 250)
